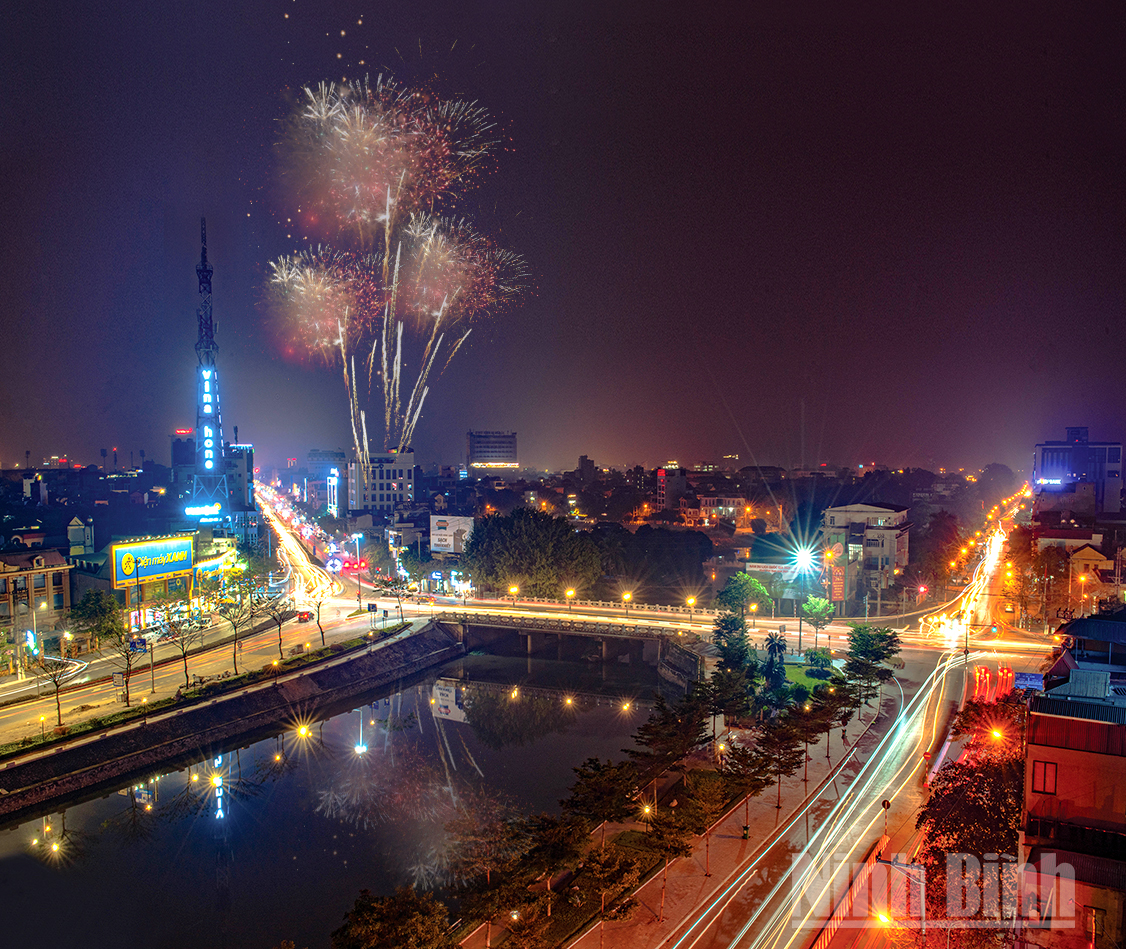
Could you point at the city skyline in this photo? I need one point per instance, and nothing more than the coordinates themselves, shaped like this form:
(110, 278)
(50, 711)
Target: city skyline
(903, 232)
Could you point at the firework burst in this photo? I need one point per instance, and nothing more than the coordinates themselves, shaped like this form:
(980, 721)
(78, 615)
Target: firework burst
(377, 160)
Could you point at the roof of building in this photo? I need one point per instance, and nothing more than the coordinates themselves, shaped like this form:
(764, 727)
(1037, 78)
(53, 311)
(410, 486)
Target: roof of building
(1078, 706)
(25, 559)
(874, 505)
(1099, 871)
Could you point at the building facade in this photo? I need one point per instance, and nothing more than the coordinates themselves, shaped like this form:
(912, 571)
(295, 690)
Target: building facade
(34, 591)
(389, 484)
(1074, 805)
(1078, 460)
(491, 450)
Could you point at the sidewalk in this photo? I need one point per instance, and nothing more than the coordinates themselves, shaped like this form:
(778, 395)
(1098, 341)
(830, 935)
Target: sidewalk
(97, 699)
(688, 888)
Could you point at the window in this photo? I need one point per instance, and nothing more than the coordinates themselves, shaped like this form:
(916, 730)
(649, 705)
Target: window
(21, 583)
(58, 602)
(56, 579)
(1094, 921)
(39, 581)
(832, 520)
(1043, 777)
(3, 584)
(873, 542)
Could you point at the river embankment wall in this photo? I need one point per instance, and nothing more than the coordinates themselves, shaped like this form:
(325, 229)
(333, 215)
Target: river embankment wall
(29, 786)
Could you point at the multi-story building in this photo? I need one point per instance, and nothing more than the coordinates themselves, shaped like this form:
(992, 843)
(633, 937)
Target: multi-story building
(1074, 808)
(491, 450)
(1056, 466)
(319, 463)
(34, 591)
(864, 546)
(671, 484)
(389, 484)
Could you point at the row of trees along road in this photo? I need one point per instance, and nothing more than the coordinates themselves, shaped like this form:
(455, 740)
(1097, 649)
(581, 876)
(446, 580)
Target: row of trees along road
(241, 600)
(544, 556)
(497, 856)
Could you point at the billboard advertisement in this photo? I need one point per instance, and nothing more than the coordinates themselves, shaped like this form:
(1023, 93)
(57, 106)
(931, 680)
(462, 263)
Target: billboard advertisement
(143, 561)
(838, 586)
(449, 534)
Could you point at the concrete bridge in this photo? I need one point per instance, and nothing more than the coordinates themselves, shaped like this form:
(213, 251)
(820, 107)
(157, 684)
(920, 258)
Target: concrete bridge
(678, 655)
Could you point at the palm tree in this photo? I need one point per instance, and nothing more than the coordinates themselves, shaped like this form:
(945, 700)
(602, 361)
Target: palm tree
(775, 646)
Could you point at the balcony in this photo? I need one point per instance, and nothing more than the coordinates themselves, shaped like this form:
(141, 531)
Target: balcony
(1076, 837)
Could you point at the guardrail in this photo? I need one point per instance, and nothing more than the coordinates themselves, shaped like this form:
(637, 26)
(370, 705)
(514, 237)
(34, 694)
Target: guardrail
(562, 624)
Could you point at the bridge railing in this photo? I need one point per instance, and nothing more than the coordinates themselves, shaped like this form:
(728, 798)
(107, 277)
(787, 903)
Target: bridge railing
(609, 604)
(562, 624)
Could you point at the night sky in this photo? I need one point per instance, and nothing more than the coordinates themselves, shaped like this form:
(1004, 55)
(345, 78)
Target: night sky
(913, 225)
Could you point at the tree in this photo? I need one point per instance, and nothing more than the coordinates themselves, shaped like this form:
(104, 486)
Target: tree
(278, 608)
(178, 623)
(670, 734)
(740, 591)
(527, 927)
(744, 772)
(972, 808)
(404, 920)
(318, 599)
(553, 841)
(487, 902)
(53, 669)
(779, 744)
(990, 731)
(99, 614)
(239, 610)
(869, 647)
(602, 792)
(613, 872)
(669, 836)
(706, 800)
(539, 552)
(730, 637)
(729, 694)
(417, 566)
(775, 646)
(820, 659)
(818, 612)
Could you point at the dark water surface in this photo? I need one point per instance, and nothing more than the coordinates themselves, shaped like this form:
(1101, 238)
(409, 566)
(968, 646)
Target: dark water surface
(308, 821)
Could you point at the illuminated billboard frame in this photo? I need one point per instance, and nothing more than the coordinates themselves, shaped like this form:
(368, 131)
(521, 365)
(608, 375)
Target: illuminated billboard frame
(147, 561)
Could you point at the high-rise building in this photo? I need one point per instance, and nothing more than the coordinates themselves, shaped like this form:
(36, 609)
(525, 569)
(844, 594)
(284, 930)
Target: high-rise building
(491, 450)
(1057, 466)
(389, 484)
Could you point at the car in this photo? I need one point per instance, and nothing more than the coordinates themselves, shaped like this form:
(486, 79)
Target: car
(1008, 607)
(305, 616)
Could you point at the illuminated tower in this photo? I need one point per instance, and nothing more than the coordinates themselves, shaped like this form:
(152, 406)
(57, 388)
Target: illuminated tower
(209, 485)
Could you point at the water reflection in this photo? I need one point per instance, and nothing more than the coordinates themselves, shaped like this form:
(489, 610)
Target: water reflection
(445, 766)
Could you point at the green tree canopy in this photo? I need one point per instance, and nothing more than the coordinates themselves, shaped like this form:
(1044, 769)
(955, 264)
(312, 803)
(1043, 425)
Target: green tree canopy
(539, 553)
(404, 920)
(818, 612)
(670, 734)
(602, 792)
(740, 592)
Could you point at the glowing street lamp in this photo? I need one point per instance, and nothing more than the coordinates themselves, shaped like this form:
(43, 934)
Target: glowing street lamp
(691, 607)
(754, 616)
(626, 597)
(512, 591)
(570, 598)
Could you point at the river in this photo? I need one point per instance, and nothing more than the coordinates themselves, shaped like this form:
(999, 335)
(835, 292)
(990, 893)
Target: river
(316, 813)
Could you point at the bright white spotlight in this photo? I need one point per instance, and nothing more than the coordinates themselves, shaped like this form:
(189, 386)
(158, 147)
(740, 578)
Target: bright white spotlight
(803, 558)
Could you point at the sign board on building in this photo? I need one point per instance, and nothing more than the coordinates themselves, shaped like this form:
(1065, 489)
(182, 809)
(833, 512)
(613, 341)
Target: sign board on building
(838, 586)
(1028, 680)
(788, 571)
(449, 534)
(144, 561)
